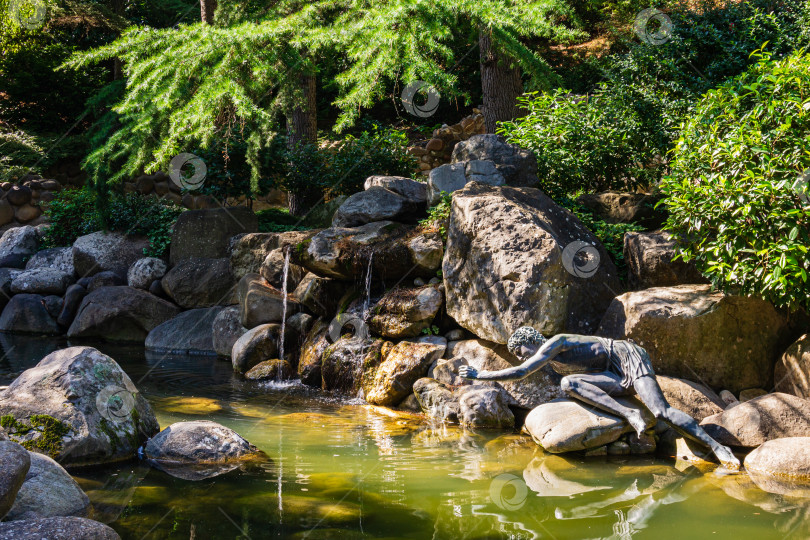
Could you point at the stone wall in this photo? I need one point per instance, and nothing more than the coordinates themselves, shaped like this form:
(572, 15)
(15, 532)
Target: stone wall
(23, 204)
(438, 150)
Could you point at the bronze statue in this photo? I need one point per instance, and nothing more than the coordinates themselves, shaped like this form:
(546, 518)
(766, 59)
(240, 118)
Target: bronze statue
(596, 370)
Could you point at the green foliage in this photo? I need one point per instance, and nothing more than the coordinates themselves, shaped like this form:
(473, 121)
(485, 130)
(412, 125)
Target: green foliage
(438, 217)
(50, 433)
(591, 144)
(279, 220)
(732, 196)
(22, 152)
(432, 330)
(76, 212)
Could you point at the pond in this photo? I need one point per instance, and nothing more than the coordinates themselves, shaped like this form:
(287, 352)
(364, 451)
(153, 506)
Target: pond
(342, 469)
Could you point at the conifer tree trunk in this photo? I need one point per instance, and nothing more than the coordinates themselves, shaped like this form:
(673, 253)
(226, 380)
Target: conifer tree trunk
(501, 84)
(207, 8)
(302, 128)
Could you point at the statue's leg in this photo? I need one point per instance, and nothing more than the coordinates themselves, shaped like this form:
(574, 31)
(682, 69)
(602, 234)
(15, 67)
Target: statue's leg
(600, 391)
(653, 398)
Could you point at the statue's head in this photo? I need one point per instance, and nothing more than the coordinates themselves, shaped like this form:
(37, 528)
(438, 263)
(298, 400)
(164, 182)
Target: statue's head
(525, 341)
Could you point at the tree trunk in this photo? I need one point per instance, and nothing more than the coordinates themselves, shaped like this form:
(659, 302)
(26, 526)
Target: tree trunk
(501, 84)
(207, 8)
(302, 128)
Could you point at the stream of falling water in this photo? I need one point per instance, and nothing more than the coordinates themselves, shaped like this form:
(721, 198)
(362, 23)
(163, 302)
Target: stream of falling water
(367, 299)
(285, 273)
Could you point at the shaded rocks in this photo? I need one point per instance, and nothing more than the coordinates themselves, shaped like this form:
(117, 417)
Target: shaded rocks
(761, 419)
(28, 314)
(207, 233)
(107, 251)
(517, 165)
(256, 345)
(650, 262)
(79, 407)
(200, 282)
(144, 271)
(344, 362)
(120, 314)
(792, 372)
(48, 491)
(309, 361)
(249, 251)
(226, 330)
(454, 176)
(60, 258)
(273, 370)
(320, 295)
(404, 313)
(402, 365)
(17, 245)
(514, 258)
(197, 450)
(618, 207)
(260, 303)
(691, 331)
(14, 464)
(404, 203)
(57, 528)
(188, 333)
(42, 281)
(272, 270)
(344, 253)
(70, 305)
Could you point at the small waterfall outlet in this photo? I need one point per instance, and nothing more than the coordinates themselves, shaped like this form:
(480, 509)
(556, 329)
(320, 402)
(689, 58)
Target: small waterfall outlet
(285, 273)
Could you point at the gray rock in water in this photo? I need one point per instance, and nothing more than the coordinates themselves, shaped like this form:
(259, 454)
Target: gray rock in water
(188, 333)
(106, 251)
(781, 466)
(78, 406)
(309, 361)
(207, 233)
(14, 465)
(28, 314)
(42, 281)
(225, 330)
(484, 407)
(344, 361)
(517, 257)
(73, 298)
(17, 245)
(196, 282)
(144, 271)
(691, 331)
(120, 314)
(260, 303)
(517, 165)
(256, 345)
(768, 417)
(378, 204)
(437, 401)
(198, 450)
(402, 365)
(404, 313)
(57, 528)
(48, 491)
(60, 258)
(270, 370)
(650, 262)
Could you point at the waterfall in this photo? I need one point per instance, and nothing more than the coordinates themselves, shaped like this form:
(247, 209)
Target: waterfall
(285, 273)
(367, 300)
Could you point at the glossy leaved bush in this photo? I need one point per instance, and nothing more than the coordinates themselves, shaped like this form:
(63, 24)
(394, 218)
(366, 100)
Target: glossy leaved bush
(737, 195)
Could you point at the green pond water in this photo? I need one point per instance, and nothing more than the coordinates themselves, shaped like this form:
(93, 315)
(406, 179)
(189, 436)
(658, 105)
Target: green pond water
(342, 469)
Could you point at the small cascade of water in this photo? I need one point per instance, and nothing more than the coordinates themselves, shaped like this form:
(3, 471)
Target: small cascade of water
(283, 307)
(367, 299)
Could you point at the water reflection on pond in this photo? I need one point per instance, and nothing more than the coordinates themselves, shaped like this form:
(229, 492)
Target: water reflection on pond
(349, 470)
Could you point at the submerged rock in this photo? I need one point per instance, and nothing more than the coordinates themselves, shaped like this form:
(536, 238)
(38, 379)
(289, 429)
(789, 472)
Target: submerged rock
(691, 331)
(404, 313)
(79, 407)
(484, 407)
(270, 370)
(402, 365)
(48, 491)
(198, 450)
(57, 528)
(781, 466)
(188, 333)
(437, 400)
(107, 251)
(14, 464)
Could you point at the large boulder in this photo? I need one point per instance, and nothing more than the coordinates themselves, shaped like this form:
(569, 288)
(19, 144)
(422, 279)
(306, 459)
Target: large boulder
(226, 330)
(260, 303)
(344, 362)
(761, 419)
(107, 251)
(484, 407)
(650, 262)
(404, 313)
(378, 204)
(57, 528)
(402, 365)
(256, 345)
(451, 177)
(618, 207)
(395, 251)
(249, 251)
(48, 491)
(540, 387)
(517, 165)
(28, 314)
(320, 295)
(207, 233)
(14, 464)
(407, 187)
(188, 333)
(198, 282)
(693, 332)
(60, 258)
(782, 459)
(567, 425)
(514, 258)
(792, 372)
(17, 245)
(120, 314)
(198, 450)
(79, 407)
(42, 281)
(692, 398)
(144, 271)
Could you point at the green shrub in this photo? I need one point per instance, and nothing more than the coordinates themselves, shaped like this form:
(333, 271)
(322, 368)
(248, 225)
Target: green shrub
(76, 212)
(439, 215)
(279, 220)
(733, 197)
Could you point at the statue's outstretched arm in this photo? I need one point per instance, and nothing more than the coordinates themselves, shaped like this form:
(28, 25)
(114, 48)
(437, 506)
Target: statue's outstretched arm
(548, 351)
